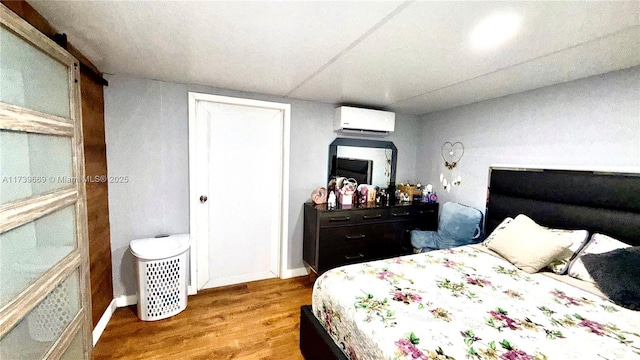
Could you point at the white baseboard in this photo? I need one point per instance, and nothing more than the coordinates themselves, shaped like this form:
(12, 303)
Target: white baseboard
(104, 320)
(289, 273)
(126, 300)
(231, 280)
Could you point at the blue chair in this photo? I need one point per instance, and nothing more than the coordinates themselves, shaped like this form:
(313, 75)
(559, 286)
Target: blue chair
(458, 225)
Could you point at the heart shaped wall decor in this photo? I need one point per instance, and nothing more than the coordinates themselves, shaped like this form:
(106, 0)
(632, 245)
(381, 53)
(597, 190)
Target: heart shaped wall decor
(452, 153)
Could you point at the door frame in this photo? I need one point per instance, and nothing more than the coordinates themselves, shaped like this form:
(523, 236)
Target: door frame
(198, 215)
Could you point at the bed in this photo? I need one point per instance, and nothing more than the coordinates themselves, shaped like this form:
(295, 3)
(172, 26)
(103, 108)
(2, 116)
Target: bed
(468, 302)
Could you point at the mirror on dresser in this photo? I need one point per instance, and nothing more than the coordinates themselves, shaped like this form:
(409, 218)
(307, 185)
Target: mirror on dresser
(370, 162)
(344, 234)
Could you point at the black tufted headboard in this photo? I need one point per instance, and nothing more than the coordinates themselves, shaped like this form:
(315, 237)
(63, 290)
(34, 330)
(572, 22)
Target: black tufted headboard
(603, 202)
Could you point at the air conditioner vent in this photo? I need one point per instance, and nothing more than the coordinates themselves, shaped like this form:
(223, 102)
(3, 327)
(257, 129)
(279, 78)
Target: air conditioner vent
(364, 121)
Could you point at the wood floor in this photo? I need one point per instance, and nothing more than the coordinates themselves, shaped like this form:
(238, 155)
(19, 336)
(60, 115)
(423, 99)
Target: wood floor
(256, 320)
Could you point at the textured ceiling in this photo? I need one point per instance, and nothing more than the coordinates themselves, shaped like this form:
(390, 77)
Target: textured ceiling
(411, 57)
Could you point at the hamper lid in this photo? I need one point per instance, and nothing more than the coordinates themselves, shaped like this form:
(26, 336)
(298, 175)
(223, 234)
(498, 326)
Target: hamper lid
(160, 248)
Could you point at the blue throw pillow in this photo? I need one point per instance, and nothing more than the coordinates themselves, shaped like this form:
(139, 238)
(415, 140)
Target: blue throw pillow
(459, 225)
(424, 240)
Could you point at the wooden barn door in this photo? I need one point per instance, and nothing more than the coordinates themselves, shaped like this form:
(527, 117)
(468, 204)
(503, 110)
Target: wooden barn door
(44, 293)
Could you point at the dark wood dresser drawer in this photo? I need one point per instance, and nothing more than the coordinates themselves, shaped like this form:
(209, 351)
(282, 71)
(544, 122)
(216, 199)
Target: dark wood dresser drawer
(373, 215)
(342, 218)
(353, 252)
(338, 218)
(426, 216)
(349, 244)
(342, 237)
(401, 213)
(334, 238)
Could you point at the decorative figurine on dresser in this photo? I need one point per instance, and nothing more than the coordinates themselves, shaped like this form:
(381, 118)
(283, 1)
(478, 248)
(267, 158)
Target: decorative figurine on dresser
(364, 218)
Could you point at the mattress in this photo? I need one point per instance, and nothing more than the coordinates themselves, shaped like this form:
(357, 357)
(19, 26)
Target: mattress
(464, 303)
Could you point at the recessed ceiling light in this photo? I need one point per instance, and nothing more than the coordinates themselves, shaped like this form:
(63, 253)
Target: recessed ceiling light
(495, 30)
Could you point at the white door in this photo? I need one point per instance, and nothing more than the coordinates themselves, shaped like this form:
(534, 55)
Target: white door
(241, 166)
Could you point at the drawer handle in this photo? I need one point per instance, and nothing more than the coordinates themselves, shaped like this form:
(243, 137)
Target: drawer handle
(343, 218)
(400, 214)
(355, 237)
(369, 217)
(353, 257)
(426, 212)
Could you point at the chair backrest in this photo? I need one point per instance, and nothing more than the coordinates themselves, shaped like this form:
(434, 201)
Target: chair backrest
(459, 225)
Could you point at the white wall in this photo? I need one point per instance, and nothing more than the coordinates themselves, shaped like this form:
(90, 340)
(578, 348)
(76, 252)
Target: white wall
(586, 124)
(146, 125)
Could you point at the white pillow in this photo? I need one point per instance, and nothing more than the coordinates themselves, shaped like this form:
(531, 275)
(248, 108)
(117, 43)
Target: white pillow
(598, 244)
(495, 231)
(560, 264)
(527, 245)
(578, 239)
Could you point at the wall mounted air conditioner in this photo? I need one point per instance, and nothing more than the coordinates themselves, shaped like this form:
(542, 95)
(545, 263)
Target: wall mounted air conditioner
(364, 121)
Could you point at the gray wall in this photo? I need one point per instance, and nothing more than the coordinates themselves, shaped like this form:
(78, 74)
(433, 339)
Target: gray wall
(146, 124)
(588, 123)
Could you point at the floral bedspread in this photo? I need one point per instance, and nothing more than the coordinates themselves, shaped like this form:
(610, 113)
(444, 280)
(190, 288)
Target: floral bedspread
(465, 304)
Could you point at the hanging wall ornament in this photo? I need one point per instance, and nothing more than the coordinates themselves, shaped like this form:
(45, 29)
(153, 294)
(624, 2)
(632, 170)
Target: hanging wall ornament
(451, 154)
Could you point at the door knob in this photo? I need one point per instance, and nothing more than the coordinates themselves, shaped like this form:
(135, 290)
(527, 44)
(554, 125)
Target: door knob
(203, 198)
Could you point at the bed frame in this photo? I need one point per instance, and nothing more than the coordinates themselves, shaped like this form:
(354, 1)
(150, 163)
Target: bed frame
(603, 202)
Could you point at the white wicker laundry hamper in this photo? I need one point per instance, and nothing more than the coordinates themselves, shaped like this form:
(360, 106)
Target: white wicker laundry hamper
(49, 319)
(161, 265)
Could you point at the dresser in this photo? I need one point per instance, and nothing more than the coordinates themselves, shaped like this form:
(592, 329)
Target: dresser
(345, 236)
